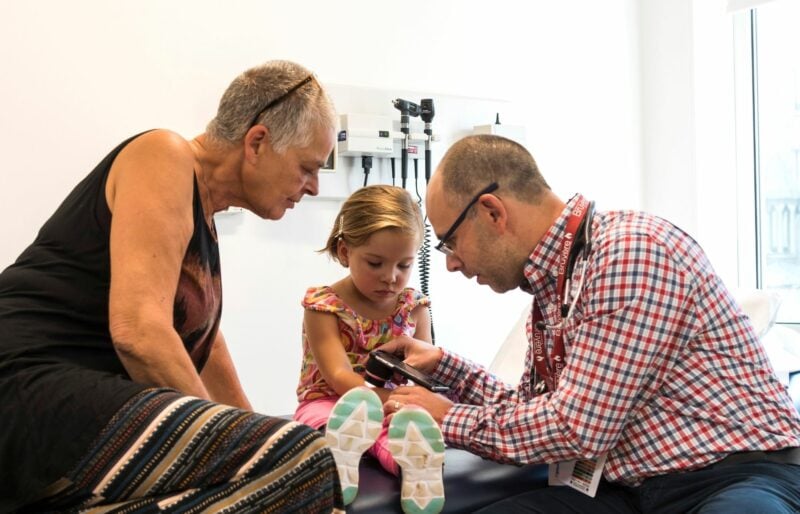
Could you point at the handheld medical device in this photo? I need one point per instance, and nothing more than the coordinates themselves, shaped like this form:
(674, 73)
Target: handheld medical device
(382, 365)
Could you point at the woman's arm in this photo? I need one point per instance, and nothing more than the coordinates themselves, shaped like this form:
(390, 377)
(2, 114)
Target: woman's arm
(220, 377)
(149, 192)
(324, 340)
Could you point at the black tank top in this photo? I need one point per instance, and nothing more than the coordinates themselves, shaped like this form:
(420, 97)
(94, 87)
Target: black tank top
(54, 298)
(60, 378)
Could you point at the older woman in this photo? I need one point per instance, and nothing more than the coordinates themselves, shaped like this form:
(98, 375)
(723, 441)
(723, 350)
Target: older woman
(116, 386)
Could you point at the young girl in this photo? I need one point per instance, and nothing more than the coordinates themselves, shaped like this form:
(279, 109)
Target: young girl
(376, 235)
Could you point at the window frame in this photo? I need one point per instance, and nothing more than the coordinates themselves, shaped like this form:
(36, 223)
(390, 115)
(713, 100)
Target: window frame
(750, 215)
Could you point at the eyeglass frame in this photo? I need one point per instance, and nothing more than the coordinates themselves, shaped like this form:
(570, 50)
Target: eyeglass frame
(443, 246)
(281, 98)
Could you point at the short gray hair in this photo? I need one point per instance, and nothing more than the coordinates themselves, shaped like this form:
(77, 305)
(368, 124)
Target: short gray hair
(291, 122)
(474, 162)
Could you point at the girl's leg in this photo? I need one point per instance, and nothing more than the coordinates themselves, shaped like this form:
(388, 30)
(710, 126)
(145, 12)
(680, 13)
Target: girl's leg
(380, 450)
(315, 413)
(163, 450)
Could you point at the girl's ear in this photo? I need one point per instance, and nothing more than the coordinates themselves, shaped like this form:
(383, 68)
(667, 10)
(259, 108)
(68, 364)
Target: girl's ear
(343, 252)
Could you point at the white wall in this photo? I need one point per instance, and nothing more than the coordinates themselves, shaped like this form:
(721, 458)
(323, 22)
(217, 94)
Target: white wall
(80, 76)
(688, 132)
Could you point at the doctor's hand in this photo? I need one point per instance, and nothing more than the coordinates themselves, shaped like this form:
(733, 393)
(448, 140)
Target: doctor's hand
(420, 354)
(436, 404)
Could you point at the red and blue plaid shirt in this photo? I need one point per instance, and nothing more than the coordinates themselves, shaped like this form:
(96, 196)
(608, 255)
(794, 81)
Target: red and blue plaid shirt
(663, 369)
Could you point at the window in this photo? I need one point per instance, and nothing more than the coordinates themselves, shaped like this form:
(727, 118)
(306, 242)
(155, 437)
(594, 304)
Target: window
(768, 142)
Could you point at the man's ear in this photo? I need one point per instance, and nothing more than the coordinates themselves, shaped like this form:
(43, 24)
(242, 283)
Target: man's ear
(495, 211)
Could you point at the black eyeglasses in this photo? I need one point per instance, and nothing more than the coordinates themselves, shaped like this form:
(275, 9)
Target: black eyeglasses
(443, 246)
(280, 99)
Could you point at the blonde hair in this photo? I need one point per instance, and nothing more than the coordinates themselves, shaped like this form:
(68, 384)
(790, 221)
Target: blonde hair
(371, 209)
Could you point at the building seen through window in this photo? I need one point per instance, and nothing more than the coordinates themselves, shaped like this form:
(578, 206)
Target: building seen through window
(776, 167)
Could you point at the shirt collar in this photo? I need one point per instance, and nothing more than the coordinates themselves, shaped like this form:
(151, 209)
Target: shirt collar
(541, 268)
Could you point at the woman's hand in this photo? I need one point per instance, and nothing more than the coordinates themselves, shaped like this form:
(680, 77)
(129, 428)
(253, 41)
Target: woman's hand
(420, 354)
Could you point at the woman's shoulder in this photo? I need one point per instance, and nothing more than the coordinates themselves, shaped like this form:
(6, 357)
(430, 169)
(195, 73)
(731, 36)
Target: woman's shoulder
(161, 143)
(158, 153)
(158, 164)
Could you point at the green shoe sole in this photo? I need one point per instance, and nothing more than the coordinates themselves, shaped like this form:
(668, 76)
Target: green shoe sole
(417, 445)
(353, 426)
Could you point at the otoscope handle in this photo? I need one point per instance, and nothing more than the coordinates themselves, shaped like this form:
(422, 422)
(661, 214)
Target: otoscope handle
(427, 166)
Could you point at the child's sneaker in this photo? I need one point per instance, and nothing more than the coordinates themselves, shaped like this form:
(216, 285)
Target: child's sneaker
(416, 443)
(354, 424)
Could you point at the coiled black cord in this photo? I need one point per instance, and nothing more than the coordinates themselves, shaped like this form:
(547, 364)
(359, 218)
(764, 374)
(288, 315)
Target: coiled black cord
(424, 255)
(427, 112)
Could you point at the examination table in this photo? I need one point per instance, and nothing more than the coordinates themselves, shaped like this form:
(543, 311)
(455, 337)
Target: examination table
(469, 484)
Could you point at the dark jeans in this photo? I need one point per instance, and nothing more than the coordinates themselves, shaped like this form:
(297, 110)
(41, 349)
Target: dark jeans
(751, 487)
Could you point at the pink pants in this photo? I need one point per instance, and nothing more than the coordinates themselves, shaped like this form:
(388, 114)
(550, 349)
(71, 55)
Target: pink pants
(315, 413)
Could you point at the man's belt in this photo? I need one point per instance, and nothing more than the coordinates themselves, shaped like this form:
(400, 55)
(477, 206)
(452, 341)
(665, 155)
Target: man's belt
(785, 456)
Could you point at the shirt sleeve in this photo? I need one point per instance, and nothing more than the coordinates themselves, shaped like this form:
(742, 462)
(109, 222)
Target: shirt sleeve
(322, 299)
(632, 319)
(414, 298)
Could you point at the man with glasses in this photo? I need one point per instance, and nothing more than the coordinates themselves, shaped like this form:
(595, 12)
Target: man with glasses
(645, 386)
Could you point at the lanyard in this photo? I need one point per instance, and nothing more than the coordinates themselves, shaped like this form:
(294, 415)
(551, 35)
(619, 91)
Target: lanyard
(551, 371)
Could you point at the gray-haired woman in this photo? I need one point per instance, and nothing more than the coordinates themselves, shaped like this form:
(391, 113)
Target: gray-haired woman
(116, 386)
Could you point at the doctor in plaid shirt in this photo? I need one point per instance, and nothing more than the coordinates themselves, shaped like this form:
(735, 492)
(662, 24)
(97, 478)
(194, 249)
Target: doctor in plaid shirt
(662, 376)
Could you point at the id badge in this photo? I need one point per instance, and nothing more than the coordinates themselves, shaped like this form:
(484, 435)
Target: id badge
(582, 475)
